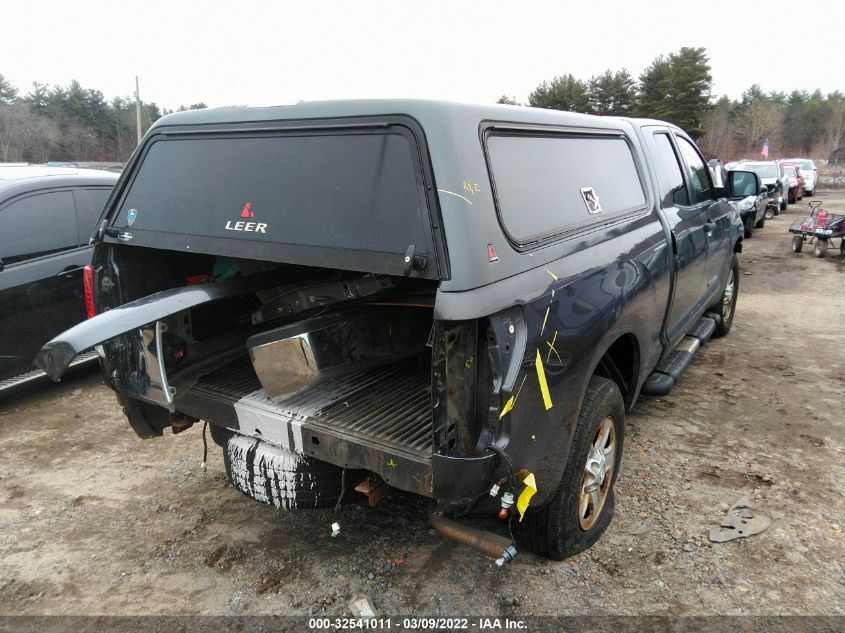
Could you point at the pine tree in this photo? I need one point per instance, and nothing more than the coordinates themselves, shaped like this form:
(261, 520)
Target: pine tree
(677, 89)
(561, 93)
(612, 93)
(8, 93)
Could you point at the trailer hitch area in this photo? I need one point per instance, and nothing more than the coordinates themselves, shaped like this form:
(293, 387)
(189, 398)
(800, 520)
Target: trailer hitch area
(374, 487)
(492, 545)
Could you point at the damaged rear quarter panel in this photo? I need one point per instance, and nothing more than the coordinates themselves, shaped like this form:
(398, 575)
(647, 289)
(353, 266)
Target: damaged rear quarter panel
(606, 284)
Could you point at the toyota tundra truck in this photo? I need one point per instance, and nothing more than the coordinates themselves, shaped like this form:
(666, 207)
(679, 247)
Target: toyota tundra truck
(458, 301)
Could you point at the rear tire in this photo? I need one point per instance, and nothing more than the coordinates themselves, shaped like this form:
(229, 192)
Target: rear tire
(797, 243)
(783, 206)
(821, 248)
(567, 525)
(726, 306)
(280, 477)
(761, 222)
(770, 213)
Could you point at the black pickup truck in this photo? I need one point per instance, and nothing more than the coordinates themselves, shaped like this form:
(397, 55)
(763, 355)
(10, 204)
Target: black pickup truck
(458, 301)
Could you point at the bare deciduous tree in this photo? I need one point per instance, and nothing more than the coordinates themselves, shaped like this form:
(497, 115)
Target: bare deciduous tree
(719, 130)
(833, 129)
(759, 120)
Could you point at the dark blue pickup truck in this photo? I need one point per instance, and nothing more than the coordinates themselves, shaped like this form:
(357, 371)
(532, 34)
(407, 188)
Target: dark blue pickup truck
(458, 301)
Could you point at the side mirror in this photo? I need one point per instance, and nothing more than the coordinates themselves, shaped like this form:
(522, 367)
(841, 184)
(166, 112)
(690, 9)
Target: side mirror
(742, 184)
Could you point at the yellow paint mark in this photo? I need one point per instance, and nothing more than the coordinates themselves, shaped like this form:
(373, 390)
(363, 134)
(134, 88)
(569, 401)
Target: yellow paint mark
(468, 363)
(541, 376)
(511, 403)
(553, 294)
(534, 437)
(391, 463)
(471, 187)
(551, 273)
(457, 195)
(525, 496)
(545, 318)
(507, 408)
(552, 349)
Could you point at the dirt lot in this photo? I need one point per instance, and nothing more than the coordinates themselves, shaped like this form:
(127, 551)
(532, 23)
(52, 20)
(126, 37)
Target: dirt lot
(95, 521)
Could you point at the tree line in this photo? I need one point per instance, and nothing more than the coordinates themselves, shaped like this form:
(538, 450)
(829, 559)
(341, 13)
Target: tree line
(70, 123)
(678, 88)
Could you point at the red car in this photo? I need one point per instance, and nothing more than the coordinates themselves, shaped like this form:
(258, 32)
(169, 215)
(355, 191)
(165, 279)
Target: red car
(801, 182)
(796, 182)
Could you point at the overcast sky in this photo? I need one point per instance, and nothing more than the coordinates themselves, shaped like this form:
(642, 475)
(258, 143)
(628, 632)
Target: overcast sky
(264, 53)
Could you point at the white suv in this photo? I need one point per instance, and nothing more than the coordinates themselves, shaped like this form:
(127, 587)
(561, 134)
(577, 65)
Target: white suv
(809, 171)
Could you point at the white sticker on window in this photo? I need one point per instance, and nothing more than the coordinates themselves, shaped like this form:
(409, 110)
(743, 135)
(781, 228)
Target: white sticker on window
(591, 200)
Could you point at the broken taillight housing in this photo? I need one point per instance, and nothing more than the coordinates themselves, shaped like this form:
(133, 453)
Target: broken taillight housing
(88, 286)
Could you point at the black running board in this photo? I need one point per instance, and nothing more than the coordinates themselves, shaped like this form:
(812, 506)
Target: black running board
(672, 366)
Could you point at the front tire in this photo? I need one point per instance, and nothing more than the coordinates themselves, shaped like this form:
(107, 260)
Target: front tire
(582, 506)
(726, 306)
(748, 227)
(821, 248)
(761, 222)
(770, 213)
(797, 243)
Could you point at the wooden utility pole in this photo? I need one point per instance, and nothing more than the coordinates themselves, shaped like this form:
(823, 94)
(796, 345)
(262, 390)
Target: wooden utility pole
(138, 109)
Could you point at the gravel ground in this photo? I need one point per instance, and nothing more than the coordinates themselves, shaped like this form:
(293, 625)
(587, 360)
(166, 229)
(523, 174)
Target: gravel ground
(95, 521)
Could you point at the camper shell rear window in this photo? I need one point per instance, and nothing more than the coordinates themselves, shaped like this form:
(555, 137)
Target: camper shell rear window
(249, 194)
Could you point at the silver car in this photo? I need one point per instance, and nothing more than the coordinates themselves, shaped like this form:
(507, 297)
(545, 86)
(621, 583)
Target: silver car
(771, 175)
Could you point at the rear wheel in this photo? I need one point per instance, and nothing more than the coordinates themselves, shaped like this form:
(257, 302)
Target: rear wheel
(726, 306)
(582, 506)
(821, 248)
(797, 243)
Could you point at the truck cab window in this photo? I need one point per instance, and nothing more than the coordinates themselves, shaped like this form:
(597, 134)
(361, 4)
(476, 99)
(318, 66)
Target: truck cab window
(701, 188)
(673, 192)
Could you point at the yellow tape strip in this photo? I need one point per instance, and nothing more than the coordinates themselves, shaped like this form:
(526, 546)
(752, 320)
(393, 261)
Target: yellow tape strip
(545, 318)
(552, 349)
(541, 376)
(551, 273)
(507, 408)
(525, 496)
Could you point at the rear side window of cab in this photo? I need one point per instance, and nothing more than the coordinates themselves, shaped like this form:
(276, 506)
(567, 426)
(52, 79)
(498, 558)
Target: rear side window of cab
(550, 185)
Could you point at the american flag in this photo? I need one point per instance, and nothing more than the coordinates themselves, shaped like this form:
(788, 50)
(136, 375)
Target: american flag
(765, 150)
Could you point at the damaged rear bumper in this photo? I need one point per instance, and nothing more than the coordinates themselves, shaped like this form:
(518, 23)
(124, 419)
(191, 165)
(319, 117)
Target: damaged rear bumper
(378, 420)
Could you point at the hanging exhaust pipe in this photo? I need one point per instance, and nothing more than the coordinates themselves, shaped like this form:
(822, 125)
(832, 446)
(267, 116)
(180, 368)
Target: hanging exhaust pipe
(492, 545)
